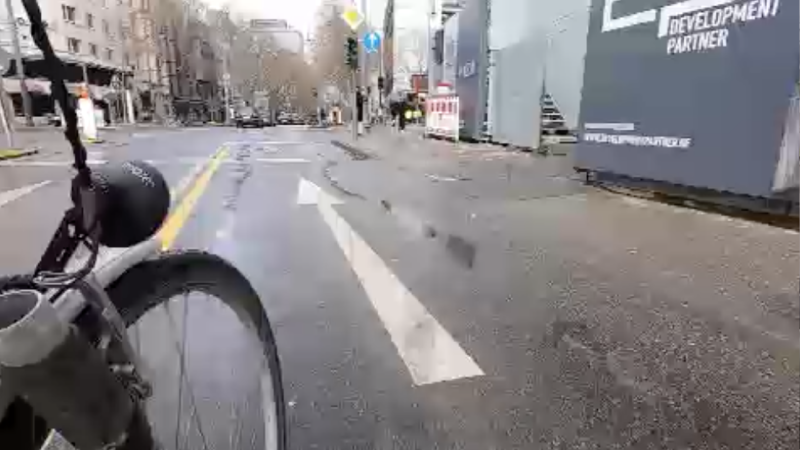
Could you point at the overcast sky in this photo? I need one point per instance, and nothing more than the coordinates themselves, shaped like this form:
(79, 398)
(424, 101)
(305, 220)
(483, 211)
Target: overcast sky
(299, 13)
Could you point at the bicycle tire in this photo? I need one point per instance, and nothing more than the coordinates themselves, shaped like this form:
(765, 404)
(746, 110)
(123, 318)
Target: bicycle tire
(152, 282)
(146, 286)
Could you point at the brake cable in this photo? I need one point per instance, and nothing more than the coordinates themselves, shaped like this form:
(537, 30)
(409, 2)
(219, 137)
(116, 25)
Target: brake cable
(58, 87)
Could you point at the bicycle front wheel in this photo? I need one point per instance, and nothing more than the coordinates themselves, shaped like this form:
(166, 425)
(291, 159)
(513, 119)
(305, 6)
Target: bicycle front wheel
(208, 350)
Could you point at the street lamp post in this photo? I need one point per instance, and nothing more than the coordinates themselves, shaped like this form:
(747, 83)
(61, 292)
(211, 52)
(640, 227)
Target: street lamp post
(27, 106)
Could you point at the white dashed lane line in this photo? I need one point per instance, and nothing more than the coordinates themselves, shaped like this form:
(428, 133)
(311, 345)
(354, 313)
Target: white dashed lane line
(14, 194)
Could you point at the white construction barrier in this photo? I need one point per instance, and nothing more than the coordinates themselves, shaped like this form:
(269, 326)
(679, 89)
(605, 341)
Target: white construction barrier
(442, 116)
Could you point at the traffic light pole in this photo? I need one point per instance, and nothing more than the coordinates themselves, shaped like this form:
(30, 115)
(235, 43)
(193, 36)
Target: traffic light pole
(354, 103)
(27, 106)
(351, 58)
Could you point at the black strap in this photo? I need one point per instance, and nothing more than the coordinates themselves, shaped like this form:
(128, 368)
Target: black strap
(55, 72)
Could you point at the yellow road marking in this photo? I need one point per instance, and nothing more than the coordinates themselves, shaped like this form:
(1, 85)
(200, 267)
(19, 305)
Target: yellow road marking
(175, 222)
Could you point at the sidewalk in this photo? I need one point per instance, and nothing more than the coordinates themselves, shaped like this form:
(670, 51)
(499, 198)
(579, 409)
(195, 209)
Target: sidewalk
(492, 171)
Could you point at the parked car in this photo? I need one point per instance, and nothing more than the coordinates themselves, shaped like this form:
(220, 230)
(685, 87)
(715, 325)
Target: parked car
(248, 117)
(285, 118)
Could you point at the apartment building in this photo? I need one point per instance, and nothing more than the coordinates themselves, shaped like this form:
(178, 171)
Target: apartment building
(90, 36)
(114, 45)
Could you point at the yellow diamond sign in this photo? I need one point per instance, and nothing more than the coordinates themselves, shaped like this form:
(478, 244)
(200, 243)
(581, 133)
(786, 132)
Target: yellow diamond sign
(352, 17)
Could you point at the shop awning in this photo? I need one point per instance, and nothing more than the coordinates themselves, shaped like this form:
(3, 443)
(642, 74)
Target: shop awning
(35, 86)
(43, 87)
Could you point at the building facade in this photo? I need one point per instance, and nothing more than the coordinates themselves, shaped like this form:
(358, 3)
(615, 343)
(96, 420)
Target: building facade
(410, 41)
(143, 60)
(91, 37)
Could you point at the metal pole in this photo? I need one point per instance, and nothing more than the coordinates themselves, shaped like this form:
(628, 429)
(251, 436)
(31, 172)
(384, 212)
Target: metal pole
(363, 61)
(85, 75)
(429, 39)
(27, 106)
(353, 105)
(7, 126)
(226, 83)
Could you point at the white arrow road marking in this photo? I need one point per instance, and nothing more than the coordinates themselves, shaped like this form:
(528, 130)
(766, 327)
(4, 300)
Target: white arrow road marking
(9, 196)
(428, 350)
(309, 193)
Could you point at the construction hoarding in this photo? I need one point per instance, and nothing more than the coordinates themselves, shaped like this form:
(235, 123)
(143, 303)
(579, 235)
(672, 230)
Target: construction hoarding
(690, 92)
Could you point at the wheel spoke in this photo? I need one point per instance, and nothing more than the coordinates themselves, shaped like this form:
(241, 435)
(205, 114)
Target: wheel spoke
(184, 377)
(193, 381)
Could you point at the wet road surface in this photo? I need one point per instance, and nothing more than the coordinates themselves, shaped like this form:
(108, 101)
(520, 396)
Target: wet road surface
(433, 310)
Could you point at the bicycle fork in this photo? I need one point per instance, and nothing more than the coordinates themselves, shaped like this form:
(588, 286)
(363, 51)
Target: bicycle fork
(52, 366)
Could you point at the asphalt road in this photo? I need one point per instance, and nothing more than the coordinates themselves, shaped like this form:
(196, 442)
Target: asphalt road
(419, 309)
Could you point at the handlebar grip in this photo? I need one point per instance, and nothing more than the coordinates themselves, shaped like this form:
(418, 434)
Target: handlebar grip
(133, 201)
(60, 374)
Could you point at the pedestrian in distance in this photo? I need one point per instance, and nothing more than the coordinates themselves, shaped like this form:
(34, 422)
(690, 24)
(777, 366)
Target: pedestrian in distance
(408, 116)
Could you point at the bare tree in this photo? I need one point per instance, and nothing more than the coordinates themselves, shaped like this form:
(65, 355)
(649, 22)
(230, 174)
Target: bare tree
(261, 68)
(328, 48)
(256, 65)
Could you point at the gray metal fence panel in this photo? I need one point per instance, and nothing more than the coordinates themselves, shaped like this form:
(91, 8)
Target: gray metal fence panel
(472, 66)
(517, 87)
(529, 40)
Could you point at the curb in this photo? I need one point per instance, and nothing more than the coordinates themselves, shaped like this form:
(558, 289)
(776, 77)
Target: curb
(15, 153)
(352, 151)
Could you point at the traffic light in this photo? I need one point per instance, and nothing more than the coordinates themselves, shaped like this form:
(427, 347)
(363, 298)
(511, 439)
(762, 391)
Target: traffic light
(351, 55)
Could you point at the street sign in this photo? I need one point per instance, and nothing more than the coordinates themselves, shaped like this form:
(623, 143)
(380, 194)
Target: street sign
(352, 17)
(372, 42)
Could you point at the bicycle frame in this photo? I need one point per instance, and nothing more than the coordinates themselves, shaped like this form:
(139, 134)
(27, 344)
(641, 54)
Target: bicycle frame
(111, 266)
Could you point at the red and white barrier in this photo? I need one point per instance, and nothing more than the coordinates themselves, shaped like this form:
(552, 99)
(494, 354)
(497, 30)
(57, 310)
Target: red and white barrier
(442, 116)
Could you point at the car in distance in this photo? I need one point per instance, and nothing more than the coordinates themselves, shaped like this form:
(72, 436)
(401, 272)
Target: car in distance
(284, 118)
(248, 117)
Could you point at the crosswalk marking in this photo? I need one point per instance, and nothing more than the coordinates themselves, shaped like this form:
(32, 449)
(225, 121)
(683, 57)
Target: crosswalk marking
(430, 353)
(9, 196)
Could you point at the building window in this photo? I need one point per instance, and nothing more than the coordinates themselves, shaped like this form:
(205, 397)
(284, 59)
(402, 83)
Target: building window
(106, 27)
(90, 21)
(68, 12)
(93, 50)
(73, 45)
(109, 54)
